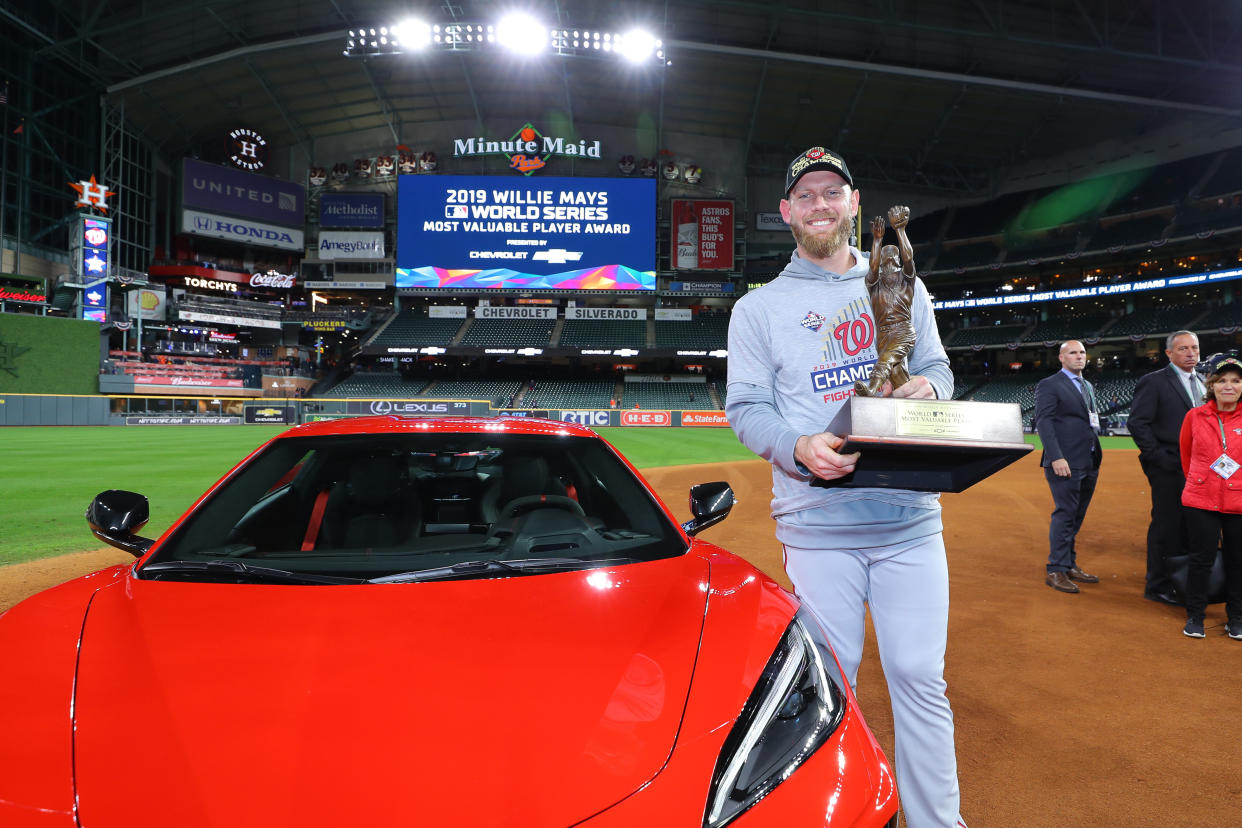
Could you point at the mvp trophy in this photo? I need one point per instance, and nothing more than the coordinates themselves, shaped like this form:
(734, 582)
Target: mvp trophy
(924, 445)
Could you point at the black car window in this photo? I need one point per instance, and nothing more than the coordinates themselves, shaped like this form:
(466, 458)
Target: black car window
(372, 505)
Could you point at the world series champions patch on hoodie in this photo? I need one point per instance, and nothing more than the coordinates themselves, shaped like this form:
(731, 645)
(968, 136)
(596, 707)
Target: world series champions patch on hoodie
(847, 350)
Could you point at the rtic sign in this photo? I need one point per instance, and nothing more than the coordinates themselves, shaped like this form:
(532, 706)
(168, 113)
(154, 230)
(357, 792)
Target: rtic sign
(586, 418)
(646, 418)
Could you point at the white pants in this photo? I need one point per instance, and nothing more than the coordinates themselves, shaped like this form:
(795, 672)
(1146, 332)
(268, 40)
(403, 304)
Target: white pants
(907, 589)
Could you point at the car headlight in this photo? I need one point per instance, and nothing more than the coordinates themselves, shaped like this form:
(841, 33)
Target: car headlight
(795, 706)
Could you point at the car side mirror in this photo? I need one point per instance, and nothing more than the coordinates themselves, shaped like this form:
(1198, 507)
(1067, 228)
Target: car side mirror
(710, 503)
(115, 515)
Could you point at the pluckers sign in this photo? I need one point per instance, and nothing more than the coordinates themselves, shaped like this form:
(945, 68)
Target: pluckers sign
(528, 149)
(702, 234)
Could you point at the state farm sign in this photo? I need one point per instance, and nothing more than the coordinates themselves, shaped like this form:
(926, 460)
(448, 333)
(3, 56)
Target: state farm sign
(704, 418)
(646, 418)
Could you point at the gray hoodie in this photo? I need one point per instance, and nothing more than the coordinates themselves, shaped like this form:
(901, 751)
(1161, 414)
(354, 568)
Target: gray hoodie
(796, 346)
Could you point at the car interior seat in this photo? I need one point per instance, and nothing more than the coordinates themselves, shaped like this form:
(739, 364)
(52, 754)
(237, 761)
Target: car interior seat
(375, 507)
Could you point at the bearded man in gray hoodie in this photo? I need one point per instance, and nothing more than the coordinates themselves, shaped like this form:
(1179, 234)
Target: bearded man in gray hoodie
(796, 347)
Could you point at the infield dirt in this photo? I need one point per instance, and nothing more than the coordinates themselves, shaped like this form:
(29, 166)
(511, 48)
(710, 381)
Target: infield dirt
(1071, 710)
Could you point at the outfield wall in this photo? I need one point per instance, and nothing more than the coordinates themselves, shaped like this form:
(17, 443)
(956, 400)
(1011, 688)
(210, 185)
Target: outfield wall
(54, 409)
(49, 355)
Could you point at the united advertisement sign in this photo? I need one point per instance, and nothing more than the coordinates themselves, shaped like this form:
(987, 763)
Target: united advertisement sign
(223, 191)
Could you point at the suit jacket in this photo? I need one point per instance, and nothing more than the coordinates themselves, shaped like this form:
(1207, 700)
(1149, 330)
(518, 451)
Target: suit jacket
(1064, 425)
(1160, 404)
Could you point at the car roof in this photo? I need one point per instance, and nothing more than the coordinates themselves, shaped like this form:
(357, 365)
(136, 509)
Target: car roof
(390, 424)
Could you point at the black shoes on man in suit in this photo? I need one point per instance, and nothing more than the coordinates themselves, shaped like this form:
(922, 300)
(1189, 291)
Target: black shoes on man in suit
(1064, 581)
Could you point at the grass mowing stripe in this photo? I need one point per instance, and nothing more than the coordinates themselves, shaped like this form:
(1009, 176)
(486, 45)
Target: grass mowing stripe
(49, 475)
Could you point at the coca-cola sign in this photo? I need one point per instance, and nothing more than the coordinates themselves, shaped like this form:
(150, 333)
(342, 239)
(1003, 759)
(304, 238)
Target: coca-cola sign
(272, 279)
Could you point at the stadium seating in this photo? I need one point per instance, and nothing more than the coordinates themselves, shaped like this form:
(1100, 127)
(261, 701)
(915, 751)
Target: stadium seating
(496, 392)
(570, 394)
(705, 332)
(583, 333)
(667, 395)
(412, 328)
(367, 385)
(509, 333)
(986, 335)
(1058, 328)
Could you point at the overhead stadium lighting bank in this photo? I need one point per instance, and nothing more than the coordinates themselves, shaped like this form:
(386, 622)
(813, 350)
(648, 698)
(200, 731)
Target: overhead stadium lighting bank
(516, 33)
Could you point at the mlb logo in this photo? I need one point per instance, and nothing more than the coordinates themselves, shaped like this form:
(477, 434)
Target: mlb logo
(455, 211)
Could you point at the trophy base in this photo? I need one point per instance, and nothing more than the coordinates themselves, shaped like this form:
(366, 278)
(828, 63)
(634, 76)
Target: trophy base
(926, 445)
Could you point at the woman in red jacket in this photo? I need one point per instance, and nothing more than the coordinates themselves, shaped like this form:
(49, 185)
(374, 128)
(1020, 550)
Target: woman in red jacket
(1211, 448)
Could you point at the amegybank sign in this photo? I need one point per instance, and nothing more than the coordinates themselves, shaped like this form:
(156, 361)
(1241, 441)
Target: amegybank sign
(351, 244)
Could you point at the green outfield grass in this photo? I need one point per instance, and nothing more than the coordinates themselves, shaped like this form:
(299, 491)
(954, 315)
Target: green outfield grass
(49, 475)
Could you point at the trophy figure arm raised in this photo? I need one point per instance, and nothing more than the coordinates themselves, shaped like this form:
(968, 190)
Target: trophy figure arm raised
(890, 285)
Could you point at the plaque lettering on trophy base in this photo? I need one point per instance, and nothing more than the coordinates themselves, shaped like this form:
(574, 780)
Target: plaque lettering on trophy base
(926, 445)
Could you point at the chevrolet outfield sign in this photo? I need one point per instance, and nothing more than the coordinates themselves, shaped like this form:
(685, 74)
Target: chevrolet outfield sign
(244, 231)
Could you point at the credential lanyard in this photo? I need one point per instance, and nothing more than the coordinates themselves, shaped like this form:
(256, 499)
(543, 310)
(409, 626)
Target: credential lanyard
(1224, 446)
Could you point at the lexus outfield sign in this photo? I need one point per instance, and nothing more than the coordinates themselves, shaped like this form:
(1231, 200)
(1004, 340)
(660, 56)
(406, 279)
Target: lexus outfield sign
(244, 231)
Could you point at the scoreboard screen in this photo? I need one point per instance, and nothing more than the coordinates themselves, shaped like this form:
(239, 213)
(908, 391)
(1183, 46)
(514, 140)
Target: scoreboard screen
(496, 232)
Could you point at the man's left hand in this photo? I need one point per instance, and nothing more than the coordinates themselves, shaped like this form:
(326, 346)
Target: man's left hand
(917, 388)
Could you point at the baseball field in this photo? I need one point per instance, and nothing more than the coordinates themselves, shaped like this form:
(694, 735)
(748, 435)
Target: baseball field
(1071, 710)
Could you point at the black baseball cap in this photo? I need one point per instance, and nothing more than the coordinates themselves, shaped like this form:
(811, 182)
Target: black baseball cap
(816, 158)
(1220, 362)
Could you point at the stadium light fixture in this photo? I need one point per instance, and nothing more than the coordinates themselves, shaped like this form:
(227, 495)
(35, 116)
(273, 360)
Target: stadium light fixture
(411, 34)
(520, 33)
(637, 46)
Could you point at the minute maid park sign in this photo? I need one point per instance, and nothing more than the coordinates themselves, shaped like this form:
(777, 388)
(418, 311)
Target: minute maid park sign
(527, 150)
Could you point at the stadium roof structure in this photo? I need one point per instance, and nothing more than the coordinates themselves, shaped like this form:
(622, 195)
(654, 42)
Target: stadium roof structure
(944, 96)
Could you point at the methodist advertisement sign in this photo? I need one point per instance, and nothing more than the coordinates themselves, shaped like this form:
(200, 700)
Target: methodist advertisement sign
(225, 203)
(702, 235)
(490, 232)
(351, 210)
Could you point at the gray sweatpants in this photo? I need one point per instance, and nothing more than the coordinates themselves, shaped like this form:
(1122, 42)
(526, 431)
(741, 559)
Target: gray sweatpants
(906, 586)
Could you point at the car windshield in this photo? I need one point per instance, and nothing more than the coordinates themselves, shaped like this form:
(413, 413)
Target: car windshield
(391, 505)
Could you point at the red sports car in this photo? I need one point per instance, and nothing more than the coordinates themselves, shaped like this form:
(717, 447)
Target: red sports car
(458, 622)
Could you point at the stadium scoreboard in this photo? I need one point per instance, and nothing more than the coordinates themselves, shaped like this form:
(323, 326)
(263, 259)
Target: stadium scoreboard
(496, 232)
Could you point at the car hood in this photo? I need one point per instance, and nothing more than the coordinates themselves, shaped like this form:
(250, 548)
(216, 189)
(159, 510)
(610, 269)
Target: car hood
(534, 700)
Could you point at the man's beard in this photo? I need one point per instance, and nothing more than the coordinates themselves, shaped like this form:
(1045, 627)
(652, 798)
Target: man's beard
(823, 246)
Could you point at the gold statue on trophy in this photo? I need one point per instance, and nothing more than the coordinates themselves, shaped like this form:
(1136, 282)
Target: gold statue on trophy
(891, 286)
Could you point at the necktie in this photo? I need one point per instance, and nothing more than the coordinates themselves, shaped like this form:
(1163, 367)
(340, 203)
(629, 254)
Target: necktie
(1196, 395)
(1085, 389)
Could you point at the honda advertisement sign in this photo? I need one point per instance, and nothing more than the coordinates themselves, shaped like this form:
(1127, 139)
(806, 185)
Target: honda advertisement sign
(242, 230)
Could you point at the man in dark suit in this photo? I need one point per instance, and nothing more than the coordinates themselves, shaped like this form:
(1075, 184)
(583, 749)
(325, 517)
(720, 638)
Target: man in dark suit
(1161, 400)
(1068, 424)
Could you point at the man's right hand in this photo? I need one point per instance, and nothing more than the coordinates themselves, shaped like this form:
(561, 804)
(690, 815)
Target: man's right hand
(818, 453)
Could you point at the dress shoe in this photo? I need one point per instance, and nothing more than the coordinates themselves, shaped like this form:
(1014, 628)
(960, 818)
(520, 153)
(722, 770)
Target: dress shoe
(1163, 598)
(1060, 582)
(1077, 574)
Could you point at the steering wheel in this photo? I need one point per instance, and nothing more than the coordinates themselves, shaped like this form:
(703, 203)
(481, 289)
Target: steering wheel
(520, 505)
